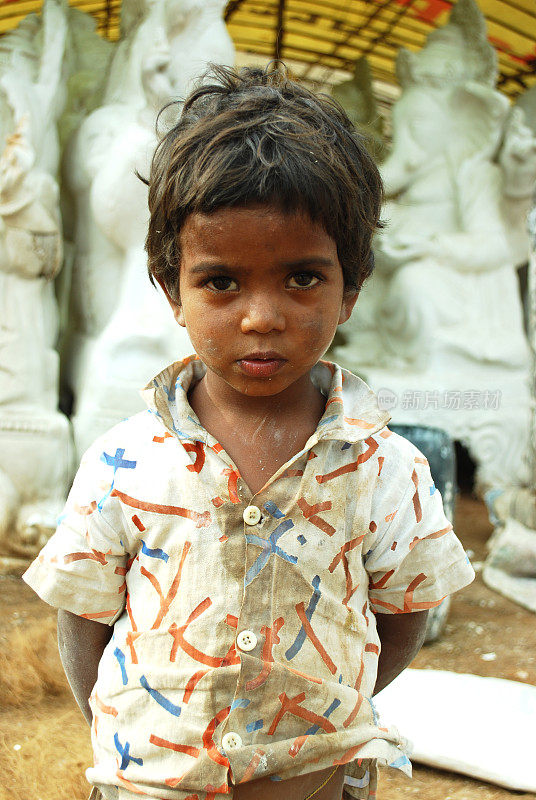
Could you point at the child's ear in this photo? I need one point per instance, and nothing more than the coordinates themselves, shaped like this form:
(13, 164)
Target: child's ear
(349, 299)
(176, 306)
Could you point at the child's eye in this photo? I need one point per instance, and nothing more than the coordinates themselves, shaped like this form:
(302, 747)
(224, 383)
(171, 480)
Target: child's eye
(221, 284)
(303, 280)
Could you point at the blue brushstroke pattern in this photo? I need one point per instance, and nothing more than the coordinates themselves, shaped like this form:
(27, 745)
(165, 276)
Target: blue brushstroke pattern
(328, 419)
(272, 509)
(117, 461)
(315, 728)
(156, 553)
(240, 702)
(124, 752)
(121, 658)
(106, 496)
(268, 548)
(374, 712)
(309, 611)
(180, 434)
(400, 762)
(360, 782)
(160, 699)
(254, 726)
(169, 391)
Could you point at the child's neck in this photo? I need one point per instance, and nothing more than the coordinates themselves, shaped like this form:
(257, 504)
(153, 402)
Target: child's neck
(260, 434)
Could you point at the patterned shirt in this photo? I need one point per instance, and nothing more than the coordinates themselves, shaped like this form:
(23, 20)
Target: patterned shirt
(244, 641)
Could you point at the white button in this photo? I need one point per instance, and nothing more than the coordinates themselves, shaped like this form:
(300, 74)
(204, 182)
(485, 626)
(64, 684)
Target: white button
(246, 640)
(231, 741)
(251, 515)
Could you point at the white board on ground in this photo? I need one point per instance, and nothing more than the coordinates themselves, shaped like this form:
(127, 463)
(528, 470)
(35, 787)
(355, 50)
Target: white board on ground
(482, 727)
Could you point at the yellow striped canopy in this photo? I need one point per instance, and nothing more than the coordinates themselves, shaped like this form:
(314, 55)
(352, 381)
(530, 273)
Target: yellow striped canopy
(322, 39)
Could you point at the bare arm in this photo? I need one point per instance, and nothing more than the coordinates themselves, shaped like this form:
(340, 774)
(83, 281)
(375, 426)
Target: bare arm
(401, 637)
(81, 643)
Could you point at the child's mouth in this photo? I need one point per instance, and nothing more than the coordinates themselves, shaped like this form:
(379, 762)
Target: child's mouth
(261, 365)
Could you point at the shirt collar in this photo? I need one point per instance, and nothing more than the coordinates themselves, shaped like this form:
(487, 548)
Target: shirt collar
(352, 412)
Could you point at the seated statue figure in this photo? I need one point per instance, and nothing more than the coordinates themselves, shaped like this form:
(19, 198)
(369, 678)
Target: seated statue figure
(118, 341)
(35, 447)
(443, 311)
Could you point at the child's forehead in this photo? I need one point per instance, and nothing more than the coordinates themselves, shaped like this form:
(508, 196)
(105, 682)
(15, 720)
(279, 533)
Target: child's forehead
(235, 222)
(260, 234)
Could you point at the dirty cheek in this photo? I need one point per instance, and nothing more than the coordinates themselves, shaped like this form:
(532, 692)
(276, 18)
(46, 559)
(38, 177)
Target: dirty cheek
(211, 350)
(211, 347)
(315, 328)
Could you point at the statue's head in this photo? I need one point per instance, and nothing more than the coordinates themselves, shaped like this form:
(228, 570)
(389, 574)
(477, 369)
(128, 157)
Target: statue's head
(197, 34)
(182, 35)
(357, 98)
(517, 156)
(456, 53)
(430, 123)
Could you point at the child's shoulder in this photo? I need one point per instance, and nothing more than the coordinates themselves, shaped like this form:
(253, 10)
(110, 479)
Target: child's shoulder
(393, 445)
(399, 457)
(133, 433)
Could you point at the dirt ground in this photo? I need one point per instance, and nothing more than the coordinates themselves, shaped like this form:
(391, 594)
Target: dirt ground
(44, 741)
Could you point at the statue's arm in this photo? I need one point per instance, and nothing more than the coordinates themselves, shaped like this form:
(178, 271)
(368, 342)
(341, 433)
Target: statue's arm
(481, 243)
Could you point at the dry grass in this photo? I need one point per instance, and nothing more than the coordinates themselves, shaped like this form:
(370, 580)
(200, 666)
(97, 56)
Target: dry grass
(44, 753)
(30, 667)
(44, 740)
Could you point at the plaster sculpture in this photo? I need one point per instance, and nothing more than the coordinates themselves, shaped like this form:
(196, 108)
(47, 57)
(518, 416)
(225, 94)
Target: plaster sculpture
(35, 447)
(527, 103)
(356, 96)
(517, 161)
(510, 567)
(122, 331)
(87, 58)
(439, 328)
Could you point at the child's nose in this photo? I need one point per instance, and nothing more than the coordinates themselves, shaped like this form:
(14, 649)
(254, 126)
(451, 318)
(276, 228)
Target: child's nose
(262, 314)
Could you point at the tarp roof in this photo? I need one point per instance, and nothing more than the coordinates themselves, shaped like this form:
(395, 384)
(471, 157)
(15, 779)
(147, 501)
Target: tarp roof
(322, 39)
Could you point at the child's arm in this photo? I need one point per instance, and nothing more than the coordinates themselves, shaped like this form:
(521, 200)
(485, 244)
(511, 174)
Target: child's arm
(81, 643)
(401, 637)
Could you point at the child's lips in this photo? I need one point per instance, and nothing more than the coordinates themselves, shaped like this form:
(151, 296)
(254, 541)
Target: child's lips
(261, 365)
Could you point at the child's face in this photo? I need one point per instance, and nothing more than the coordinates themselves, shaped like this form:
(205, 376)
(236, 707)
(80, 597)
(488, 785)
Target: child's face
(261, 295)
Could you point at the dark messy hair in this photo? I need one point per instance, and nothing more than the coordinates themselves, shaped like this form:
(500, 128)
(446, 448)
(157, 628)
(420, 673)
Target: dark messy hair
(255, 136)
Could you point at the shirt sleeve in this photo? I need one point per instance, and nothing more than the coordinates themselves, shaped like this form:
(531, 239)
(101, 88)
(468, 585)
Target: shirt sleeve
(413, 558)
(82, 567)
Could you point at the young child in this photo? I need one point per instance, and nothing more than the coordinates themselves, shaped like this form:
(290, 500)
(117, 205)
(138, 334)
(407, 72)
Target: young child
(241, 566)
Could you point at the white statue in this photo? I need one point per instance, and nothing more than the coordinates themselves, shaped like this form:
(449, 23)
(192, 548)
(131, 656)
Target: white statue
(517, 159)
(35, 447)
(527, 103)
(441, 324)
(510, 567)
(122, 333)
(356, 96)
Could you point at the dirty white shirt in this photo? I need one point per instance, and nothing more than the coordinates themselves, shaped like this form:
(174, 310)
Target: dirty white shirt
(244, 641)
